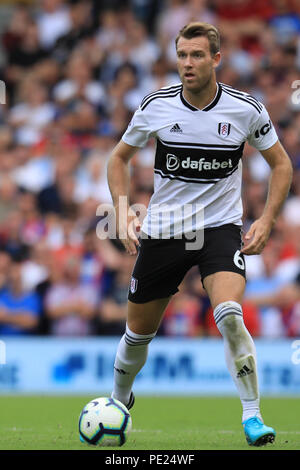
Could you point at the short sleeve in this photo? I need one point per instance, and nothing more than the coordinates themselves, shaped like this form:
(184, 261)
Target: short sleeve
(262, 133)
(138, 131)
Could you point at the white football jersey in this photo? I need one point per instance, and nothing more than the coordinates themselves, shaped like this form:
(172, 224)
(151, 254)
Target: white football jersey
(198, 161)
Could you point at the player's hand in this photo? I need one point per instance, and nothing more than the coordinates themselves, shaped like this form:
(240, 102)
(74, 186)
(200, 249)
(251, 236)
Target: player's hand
(257, 237)
(128, 226)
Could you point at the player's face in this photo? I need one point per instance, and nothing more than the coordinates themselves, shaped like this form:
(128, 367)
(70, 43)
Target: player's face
(195, 63)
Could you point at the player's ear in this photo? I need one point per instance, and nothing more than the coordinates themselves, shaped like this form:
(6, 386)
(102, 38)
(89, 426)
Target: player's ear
(217, 59)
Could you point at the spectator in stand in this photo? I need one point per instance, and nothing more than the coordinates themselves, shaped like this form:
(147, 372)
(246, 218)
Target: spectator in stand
(78, 84)
(32, 113)
(285, 22)
(15, 31)
(267, 283)
(68, 241)
(5, 262)
(33, 227)
(143, 50)
(52, 275)
(58, 195)
(282, 305)
(53, 21)
(19, 310)
(70, 304)
(91, 181)
(146, 12)
(8, 196)
(31, 172)
(113, 308)
(92, 265)
(23, 52)
(293, 314)
(80, 28)
(26, 53)
(247, 18)
(291, 211)
(110, 33)
(35, 269)
(10, 236)
(182, 316)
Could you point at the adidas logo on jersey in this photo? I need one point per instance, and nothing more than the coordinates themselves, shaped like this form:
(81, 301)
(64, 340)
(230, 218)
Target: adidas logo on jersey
(243, 372)
(176, 128)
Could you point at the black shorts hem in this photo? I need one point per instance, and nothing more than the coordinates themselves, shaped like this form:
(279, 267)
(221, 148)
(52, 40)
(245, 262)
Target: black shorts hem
(228, 270)
(150, 299)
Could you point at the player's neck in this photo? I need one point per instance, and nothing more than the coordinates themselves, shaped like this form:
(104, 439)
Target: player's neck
(203, 98)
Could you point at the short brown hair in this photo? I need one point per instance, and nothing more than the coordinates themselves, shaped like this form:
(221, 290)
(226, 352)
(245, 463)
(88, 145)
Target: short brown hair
(198, 28)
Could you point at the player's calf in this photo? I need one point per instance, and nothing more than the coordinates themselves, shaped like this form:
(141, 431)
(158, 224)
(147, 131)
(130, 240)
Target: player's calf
(240, 355)
(130, 358)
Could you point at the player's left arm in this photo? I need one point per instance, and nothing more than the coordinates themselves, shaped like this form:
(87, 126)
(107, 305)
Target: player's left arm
(279, 185)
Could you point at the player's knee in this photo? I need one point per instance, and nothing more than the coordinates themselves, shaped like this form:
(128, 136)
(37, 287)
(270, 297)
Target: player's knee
(229, 315)
(136, 339)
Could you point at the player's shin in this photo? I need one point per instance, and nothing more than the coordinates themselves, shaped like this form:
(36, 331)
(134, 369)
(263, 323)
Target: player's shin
(240, 355)
(131, 356)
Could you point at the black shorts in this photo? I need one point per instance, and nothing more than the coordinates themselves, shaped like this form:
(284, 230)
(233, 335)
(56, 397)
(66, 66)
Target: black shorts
(161, 264)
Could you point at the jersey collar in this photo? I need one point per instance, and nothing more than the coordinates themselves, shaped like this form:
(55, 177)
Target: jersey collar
(209, 106)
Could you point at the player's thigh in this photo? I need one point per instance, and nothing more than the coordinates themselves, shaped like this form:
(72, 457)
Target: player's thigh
(221, 264)
(223, 286)
(145, 318)
(160, 267)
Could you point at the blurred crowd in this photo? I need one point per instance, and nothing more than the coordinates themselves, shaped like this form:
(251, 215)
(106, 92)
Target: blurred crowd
(75, 71)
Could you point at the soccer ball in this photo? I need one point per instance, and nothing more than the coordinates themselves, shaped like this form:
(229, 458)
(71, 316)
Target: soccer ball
(105, 422)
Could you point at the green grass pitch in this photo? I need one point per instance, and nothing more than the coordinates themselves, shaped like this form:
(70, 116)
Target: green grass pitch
(159, 423)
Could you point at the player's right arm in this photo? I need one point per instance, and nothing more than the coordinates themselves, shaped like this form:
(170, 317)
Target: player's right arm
(135, 137)
(119, 183)
(264, 138)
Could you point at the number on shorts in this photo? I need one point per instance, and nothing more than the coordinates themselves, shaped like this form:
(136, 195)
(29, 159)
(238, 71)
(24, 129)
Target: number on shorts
(238, 260)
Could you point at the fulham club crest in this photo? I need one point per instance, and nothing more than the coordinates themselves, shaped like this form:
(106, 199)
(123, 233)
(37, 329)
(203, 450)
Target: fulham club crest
(224, 129)
(133, 285)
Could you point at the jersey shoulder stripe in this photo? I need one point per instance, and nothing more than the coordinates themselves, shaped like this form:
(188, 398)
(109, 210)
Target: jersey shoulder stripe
(240, 92)
(243, 97)
(160, 94)
(243, 94)
(162, 90)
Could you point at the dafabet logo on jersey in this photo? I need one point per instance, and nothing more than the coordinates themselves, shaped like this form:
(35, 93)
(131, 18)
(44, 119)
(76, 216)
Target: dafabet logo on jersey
(173, 163)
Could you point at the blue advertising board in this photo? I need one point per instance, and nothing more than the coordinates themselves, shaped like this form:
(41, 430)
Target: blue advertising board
(174, 366)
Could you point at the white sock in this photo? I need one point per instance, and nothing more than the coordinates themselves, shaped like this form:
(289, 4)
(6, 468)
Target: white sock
(250, 409)
(131, 355)
(240, 355)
